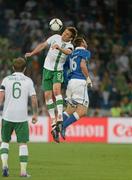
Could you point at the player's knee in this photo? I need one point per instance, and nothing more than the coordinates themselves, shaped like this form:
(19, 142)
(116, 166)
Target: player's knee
(57, 89)
(48, 95)
(82, 111)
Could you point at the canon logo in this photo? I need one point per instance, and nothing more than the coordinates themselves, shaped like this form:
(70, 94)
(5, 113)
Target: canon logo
(85, 131)
(122, 130)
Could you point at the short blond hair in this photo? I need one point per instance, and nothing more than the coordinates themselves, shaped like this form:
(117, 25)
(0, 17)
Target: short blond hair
(19, 64)
(73, 31)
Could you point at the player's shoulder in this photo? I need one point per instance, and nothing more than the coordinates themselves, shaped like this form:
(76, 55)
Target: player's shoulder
(56, 36)
(69, 45)
(85, 52)
(7, 77)
(28, 78)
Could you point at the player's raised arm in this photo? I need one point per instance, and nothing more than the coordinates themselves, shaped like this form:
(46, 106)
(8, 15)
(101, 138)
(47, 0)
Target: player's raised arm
(38, 49)
(34, 103)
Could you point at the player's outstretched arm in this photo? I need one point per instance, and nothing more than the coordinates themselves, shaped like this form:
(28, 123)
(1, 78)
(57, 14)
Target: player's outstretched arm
(38, 49)
(34, 103)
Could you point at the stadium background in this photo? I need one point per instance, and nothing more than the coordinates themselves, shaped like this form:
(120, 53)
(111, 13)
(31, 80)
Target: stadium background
(107, 26)
(108, 29)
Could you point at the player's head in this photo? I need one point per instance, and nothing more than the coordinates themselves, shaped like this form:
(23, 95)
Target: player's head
(19, 64)
(80, 42)
(69, 34)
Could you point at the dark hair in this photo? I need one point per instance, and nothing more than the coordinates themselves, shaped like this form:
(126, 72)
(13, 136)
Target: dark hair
(74, 32)
(19, 64)
(77, 42)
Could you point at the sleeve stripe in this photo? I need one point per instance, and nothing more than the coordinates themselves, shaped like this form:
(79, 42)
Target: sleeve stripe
(2, 87)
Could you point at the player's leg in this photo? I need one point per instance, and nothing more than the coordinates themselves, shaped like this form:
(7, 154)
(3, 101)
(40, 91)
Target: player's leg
(69, 94)
(79, 98)
(6, 131)
(50, 106)
(51, 109)
(23, 156)
(47, 86)
(79, 112)
(59, 104)
(66, 114)
(68, 111)
(57, 80)
(22, 133)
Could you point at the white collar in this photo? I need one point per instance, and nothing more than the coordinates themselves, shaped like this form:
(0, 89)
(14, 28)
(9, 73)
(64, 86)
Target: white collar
(80, 48)
(21, 73)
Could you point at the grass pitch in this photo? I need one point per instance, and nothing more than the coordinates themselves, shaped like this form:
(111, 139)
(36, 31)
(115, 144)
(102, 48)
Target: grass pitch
(74, 161)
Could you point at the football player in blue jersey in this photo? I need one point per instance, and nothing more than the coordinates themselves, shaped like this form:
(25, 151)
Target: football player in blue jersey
(77, 74)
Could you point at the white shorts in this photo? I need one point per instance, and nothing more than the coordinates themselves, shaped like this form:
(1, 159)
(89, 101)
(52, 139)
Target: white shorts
(77, 91)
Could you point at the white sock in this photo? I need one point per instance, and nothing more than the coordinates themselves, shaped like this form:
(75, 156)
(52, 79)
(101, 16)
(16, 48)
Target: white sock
(76, 115)
(23, 152)
(4, 154)
(66, 114)
(59, 103)
(51, 109)
(23, 166)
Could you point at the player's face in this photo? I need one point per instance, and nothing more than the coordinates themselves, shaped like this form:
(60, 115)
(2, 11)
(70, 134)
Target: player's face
(66, 35)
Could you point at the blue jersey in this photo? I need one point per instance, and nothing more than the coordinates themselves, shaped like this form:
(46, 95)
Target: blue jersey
(72, 69)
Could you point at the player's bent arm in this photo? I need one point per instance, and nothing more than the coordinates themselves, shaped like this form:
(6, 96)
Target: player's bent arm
(65, 51)
(85, 72)
(2, 96)
(34, 103)
(84, 68)
(38, 49)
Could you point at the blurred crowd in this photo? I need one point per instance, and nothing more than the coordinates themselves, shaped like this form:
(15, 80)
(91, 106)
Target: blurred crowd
(105, 25)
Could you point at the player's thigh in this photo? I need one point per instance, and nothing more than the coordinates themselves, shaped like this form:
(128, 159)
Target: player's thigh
(47, 80)
(58, 77)
(57, 88)
(79, 92)
(6, 130)
(22, 132)
(48, 95)
(69, 90)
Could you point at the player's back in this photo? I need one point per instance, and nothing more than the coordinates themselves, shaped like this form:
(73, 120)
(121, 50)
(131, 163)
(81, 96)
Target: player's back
(74, 61)
(17, 89)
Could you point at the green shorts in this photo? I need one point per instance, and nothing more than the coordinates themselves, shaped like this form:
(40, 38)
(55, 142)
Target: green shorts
(21, 129)
(51, 77)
